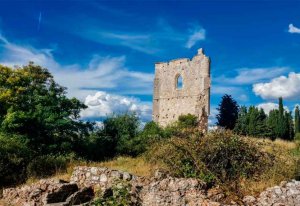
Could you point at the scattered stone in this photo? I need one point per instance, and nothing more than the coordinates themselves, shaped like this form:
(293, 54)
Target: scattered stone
(160, 190)
(249, 200)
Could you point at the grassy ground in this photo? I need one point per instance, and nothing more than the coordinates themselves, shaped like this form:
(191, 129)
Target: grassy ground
(137, 166)
(285, 165)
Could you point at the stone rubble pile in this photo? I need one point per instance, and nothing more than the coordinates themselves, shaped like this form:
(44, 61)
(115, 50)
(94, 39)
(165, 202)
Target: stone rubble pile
(160, 190)
(288, 193)
(48, 192)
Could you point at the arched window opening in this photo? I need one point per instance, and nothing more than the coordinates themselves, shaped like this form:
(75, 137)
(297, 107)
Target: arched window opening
(179, 84)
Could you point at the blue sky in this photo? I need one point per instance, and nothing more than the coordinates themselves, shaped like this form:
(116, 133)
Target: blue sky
(104, 51)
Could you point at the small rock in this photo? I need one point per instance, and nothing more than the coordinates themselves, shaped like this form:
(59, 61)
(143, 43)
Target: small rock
(103, 178)
(249, 200)
(283, 183)
(127, 176)
(94, 170)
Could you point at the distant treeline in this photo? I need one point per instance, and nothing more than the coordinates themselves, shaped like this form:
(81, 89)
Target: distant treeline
(252, 121)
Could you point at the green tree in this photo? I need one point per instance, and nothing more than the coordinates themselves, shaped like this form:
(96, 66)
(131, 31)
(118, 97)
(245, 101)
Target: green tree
(35, 106)
(297, 120)
(241, 126)
(228, 112)
(290, 131)
(252, 122)
(121, 129)
(281, 123)
(14, 156)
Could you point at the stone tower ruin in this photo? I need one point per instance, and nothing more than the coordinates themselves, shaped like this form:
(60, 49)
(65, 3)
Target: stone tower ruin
(182, 86)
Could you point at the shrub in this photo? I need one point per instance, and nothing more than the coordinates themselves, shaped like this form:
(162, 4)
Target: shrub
(121, 129)
(297, 136)
(119, 195)
(152, 132)
(47, 165)
(217, 157)
(97, 146)
(185, 126)
(188, 121)
(14, 155)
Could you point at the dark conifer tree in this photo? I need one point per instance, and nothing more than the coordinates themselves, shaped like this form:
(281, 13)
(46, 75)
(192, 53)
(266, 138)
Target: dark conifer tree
(228, 112)
(297, 120)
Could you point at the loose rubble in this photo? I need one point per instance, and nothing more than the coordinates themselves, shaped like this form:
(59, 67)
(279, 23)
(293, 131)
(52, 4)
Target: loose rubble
(86, 183)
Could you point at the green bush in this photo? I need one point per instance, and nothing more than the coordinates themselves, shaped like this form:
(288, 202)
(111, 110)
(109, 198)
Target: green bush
(297, 136)
(217, 157)
(188, 121)
(14, 156)
(119, 195)
(186, 125)
(47, 165)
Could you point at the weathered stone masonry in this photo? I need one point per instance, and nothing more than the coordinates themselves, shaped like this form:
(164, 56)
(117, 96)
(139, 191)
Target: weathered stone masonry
(170, 101)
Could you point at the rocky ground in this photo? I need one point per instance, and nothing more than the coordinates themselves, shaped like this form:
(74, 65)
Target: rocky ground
(160, 190)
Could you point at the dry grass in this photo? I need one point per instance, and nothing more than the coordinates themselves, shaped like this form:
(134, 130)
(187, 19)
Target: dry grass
(286, 155)
(137, 166)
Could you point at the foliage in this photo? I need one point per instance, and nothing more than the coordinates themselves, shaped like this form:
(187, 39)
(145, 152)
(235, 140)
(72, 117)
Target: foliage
(281, 123)
(119, 195)
(254, 122)
(35, 106)
(46, 165)
(121, 135)
(152, 132)
(14, 156)
(228, 112)
(187, 121)
(297, 120)
(297, 136)
(121, 129)
(218, 157)
(185, 125)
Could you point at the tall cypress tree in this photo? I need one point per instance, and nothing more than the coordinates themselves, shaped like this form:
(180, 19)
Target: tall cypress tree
(297, 120)
(272, 123)
(282, 122)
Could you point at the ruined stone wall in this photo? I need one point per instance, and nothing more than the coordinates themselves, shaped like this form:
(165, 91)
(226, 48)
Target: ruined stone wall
(169, 101)
(158, 190)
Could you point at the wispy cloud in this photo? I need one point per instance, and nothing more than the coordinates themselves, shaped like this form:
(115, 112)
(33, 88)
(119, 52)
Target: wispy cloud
(39, 21)
(293, 29)
(197, 34)
(162, 36)
(252, 75)
(236, 91)
(102, 73)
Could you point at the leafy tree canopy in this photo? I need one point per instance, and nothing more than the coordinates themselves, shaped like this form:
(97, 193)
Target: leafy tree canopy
(32, 104)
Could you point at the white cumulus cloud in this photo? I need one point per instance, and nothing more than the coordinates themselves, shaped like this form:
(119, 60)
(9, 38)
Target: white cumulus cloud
(267, 107)
(102, 104)
(287, 87)
(293, 29)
